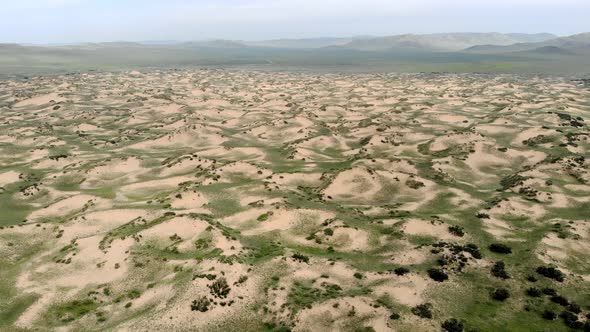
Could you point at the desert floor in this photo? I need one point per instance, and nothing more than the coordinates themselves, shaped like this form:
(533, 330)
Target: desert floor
(212, 200)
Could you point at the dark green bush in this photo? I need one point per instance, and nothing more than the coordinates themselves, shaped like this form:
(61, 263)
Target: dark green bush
(500, 294)
(533, 292)
(201, 304)
(423, 310)
(551, 273)
(452, 325)
(498, 270)
(456, 230)
(549, 315)
(300, 258)
(500, 248)
(560, 300)
(437, 275)
(220, 288)
(400, 271)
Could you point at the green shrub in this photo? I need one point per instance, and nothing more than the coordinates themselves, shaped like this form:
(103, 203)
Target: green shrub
(551, 273)
(220, 288)
(300, 258)
(437, 274)
(498, 270)
(201, 304)
(500, 248)
(452, 325)
(456, 230)
(423, 310)
(500, 294)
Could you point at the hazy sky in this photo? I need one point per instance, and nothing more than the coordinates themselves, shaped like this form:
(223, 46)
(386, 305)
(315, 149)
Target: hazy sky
(64, 21)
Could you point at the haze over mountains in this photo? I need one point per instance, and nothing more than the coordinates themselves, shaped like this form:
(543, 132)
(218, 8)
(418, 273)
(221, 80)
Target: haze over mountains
(455, 52)
(576, 44)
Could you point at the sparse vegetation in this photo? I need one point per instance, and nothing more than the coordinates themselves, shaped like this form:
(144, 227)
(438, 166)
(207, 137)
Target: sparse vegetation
(201, 304)
(500, 248)
(219, 288)
(437, 275)
(500, 294)
(269, 199)
(423, 310)
(551, 273)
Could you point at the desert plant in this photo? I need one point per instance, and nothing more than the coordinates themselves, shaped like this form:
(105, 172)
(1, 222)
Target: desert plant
(300, 258)
(500, 294)
(562, 301)
(423, 310)
(201, 304)
(499, 271)
(456, 230)
(452, 325)
(571, 320)
(219, 288)
(549, 315)
(500, 248)
(400, 271)
(437, 275)
(551, 273)
(533, 292)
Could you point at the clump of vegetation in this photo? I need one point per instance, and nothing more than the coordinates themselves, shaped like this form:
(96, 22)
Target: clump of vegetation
(220, 288)
(500, 248)
(437, 274)
(549, 315)
(414, 184)
(242, 279)
(511, 181)
(264, 216)
(473, 250)
(560, 300)
(400, 271)
(201, 304)
(452, 325)
(456, 230)
(500, 294)
(74, 310)
(58, 157)
(303, 294)
(533, 292)
(134, 294)
(551, 273)
(300, 258)
(571, 320)
(499, 270)
(423, 310)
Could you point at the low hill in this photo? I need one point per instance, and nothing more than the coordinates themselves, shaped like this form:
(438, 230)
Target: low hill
(445, 42)
(576, 44)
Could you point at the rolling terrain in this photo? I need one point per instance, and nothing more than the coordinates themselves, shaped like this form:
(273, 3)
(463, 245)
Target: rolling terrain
(224, 200)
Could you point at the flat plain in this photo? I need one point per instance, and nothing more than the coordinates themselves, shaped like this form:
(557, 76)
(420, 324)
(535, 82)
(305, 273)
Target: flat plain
(216, 200)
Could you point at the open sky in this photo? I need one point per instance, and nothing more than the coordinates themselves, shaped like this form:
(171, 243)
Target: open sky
(67, 21)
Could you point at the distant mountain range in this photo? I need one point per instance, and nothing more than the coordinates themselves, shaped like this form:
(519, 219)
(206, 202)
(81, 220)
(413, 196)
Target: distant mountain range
(448, 42)
(461, 52)
(576, 44)
(483, 43)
